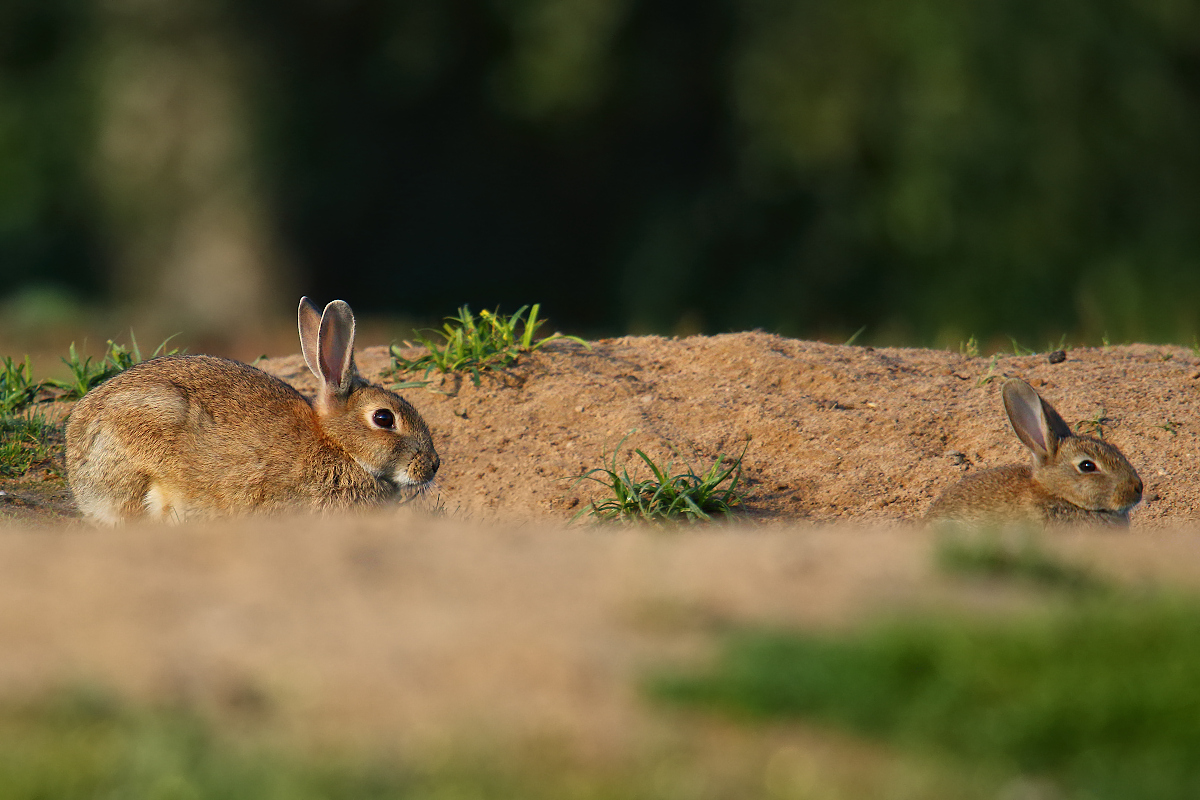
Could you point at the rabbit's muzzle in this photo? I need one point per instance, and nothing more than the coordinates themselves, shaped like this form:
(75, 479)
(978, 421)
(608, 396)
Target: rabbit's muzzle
(1132, 495)
(423, 467)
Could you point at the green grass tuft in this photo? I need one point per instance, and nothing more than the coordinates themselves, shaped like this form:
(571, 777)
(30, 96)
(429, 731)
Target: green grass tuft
(1020, 349)
(990, 376)
(471, 344)
(1094, 425)
(1102, 698)
(17, 387)
(29, 441)
(664, 495)
(87, 375)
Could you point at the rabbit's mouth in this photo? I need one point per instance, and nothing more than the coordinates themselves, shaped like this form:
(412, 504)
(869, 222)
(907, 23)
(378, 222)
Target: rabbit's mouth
(401, 479)
(1125, 509)
(418, 475)
(398, 480)
(1118, 516)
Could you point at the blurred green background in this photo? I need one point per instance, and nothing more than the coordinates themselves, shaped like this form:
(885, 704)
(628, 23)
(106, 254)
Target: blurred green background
(930, 169)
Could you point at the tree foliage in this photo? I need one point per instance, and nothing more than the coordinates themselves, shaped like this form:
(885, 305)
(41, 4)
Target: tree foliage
(931, 169)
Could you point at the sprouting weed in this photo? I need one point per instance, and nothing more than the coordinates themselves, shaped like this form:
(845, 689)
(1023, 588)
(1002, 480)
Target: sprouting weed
(471, 344)
(664, 496)
(87, 375)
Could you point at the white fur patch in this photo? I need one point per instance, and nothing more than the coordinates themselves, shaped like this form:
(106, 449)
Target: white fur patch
(158, 505)
(101, 512)
(374, 473)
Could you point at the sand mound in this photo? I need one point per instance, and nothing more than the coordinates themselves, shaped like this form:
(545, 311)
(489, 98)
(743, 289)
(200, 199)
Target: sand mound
(835, 433)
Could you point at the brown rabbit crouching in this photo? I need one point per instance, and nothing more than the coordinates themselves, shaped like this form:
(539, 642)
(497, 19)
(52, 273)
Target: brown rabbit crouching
(1073, 479)
(186, 437)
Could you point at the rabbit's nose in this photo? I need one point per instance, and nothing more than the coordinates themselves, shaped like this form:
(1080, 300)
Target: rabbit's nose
(1137, 488)
(423, 467)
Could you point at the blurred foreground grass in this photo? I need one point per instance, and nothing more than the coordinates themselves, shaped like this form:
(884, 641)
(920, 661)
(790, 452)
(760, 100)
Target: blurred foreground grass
(85, 744)
(1099, 698)
(1093, 699)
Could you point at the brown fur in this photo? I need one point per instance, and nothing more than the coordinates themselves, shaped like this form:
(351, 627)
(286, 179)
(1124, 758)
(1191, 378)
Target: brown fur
(182, 437)
(1053, 489)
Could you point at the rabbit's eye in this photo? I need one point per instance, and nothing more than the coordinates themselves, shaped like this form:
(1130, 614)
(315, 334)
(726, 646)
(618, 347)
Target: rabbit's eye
(384, 418)
(1086, 465)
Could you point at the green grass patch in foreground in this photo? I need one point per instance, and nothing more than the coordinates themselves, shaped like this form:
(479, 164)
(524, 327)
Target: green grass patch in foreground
(1103, 698)
(87, 745)
(473, 344)
(28, 441)
(665, 495)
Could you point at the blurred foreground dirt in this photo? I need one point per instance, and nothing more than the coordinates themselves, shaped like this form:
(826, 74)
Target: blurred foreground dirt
(412, 630)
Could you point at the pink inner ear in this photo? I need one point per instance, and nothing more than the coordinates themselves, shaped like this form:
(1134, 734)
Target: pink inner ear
(1024, 408)
(309, 318)
(1029, 423)
(336, 346)
(334, 355)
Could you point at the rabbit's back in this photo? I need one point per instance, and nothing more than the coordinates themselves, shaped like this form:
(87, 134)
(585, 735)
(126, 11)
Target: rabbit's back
(1010, 494)
(1002, 492)
(186, 436)
(186, 399)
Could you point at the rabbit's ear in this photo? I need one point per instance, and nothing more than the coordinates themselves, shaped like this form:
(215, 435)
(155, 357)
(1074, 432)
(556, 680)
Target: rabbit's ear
(1035, 421)
(309, 322)
(1058, 425)
(336, 348)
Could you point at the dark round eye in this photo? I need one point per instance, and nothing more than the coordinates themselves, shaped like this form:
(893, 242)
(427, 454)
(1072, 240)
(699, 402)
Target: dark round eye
(1086, 465)
(384, 418)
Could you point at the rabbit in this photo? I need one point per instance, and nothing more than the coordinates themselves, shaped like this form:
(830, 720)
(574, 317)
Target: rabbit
(186, 437)
(1073, 479)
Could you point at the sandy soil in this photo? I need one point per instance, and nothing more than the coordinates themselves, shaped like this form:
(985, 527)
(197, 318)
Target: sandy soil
(834, 433)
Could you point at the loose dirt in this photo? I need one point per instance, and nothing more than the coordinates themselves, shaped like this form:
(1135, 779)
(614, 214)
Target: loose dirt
(831, 433)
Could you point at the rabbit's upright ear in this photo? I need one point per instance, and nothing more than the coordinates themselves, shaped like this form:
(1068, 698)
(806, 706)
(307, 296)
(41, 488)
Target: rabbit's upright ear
(335, 351)
(1035, 421)
(308, 319)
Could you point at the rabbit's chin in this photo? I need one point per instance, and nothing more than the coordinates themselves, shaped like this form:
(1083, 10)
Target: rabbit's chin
(407, 486)
(1111, 508)
(401, 479)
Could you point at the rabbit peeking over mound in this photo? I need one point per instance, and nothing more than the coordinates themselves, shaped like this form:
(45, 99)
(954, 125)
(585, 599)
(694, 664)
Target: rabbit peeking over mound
(1073, 479)
(191, 437)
